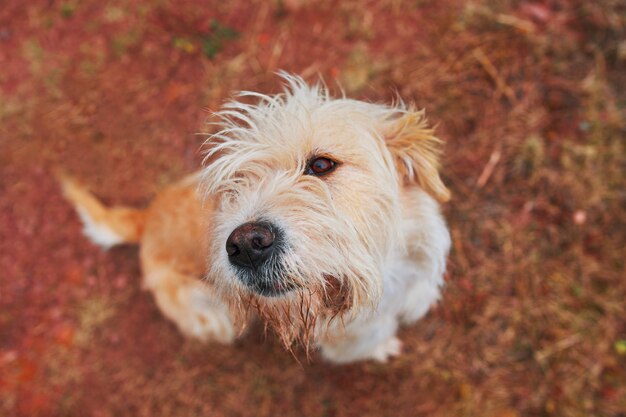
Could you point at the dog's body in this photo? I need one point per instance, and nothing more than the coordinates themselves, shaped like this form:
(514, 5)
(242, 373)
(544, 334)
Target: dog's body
(318, 214)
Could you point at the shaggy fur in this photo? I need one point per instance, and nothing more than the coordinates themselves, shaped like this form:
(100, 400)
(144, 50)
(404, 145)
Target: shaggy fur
(363, 247)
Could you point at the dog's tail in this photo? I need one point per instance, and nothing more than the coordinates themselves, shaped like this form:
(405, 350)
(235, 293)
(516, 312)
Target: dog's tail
(105, 226)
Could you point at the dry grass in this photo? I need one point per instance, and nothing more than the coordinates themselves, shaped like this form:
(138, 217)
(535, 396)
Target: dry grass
(529, 97)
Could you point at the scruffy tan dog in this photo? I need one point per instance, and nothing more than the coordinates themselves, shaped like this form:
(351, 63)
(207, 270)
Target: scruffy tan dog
(317, 214)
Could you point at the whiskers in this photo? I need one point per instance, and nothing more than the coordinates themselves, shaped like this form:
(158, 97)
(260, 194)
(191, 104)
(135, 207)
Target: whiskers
(295, 318)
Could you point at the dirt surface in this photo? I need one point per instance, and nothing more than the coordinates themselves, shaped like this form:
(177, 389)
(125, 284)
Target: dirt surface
(529, 97)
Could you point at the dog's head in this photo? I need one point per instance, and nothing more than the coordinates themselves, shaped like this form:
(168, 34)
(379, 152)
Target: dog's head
(309, 191)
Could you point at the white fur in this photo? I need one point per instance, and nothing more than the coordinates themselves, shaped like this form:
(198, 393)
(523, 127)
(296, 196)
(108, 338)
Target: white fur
(387, 242)
(410, 288)
(98, 233)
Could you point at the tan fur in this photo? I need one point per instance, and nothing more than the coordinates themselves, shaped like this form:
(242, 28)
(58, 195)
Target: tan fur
(416, 150)
(173, 253)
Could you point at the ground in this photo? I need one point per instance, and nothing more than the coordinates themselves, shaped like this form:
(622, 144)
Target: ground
(529, 98)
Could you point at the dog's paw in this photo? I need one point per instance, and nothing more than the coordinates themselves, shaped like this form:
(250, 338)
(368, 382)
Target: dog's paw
(197, 312)
(387, 349)
(205, 317)
(206, 326)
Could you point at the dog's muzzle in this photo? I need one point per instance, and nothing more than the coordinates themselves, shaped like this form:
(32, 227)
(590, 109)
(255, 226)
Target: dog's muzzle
(254, 249)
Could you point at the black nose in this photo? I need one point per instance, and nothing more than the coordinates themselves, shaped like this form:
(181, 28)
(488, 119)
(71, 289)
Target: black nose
(250, 244)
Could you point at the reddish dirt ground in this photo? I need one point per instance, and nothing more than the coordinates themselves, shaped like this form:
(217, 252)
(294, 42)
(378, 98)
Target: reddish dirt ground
(529, 97)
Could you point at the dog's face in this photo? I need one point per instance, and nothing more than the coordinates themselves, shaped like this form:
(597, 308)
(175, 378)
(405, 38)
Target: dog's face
(309, 193)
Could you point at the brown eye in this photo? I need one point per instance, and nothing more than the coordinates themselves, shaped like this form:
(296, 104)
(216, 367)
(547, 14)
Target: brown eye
(320, 166)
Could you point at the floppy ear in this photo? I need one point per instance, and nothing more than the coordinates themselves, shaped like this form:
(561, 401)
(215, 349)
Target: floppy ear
(416, 152)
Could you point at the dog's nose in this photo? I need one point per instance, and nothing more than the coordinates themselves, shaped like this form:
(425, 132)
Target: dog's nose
(250, 244)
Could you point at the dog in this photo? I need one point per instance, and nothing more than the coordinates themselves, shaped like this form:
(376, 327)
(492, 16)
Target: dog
(318, 215)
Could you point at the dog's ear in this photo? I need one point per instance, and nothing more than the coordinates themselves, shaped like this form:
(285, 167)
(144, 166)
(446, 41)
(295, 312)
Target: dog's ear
(416, 152)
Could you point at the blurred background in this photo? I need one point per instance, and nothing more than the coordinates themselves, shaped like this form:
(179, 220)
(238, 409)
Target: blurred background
(529, 97)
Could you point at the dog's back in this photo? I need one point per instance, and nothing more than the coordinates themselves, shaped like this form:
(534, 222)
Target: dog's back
(173, 243)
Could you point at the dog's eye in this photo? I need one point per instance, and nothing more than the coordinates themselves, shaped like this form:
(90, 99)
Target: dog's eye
(320, 166)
